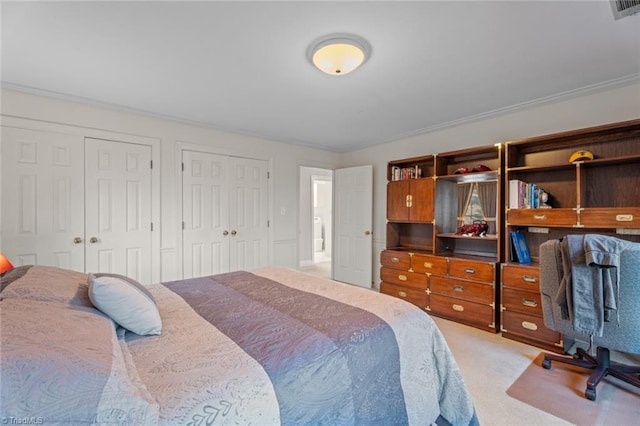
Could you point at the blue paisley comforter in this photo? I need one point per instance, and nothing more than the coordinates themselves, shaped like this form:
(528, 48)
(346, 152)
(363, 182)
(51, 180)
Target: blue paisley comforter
(280, 347)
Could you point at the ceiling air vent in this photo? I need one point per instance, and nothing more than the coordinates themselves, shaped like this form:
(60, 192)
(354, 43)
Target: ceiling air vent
(622, 8)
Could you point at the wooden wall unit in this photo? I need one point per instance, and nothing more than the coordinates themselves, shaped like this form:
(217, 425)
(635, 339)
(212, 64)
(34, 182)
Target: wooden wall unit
(455, 276)
(468, 292)
(426, 262)
(588, 196)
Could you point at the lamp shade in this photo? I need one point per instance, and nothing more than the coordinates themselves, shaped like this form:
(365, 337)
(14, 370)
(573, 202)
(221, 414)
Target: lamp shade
(338, 54)
(5, 265)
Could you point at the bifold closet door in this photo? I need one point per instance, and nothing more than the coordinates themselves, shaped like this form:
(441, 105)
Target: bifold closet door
(43, 198)
(224, 213)
(118, 208)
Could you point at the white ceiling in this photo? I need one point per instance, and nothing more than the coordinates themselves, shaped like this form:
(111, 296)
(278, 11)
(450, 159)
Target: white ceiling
(241, 66)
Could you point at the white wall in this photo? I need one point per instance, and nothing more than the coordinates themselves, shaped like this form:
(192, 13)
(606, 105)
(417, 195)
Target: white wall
(284, 159)
(599, 107)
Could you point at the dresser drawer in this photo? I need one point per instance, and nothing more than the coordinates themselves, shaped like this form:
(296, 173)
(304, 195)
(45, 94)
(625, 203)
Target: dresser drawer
(403, 278)
(524, 277)
(476, 292)
(530, 327)
(462, 310)
(543, 217)
(526, 302)
(472, 270)
(618, 217)
(429, 264)
(417, 297)
(396, 259)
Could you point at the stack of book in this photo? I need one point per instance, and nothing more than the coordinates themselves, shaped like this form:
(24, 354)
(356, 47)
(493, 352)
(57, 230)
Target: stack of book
(523, 195)
(404, 173)
(519, 248)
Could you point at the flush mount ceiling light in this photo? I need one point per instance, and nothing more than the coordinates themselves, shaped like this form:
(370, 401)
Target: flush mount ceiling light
(338, 54)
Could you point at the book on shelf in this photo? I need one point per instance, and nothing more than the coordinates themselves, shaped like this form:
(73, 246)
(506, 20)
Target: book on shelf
(405, 173)
(523, 195)
(519, 248)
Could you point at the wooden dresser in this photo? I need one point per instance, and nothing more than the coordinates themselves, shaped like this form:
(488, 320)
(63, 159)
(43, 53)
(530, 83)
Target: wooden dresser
(467, 293)
(521, 308)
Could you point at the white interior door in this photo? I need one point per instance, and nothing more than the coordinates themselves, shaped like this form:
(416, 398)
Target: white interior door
(353, 211)
(43, 198)
(118, 208)
(205, 214)
(224, 213)
(248, 215)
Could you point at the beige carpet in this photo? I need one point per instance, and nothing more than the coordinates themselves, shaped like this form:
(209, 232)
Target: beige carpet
(560, 391)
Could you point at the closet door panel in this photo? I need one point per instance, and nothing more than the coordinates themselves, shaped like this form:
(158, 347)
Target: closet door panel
(205, 214)
(248, 214)
(118, 208)
(43, 198)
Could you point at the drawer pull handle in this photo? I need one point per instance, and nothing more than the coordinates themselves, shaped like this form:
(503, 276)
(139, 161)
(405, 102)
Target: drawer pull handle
(428, 265)
(530, 303)
(529, 325)
(458, 308)
(539, 216)
(529, 279)
(624, 217)
(402, 294)
(395, 260)
(458, 288)
(409, 201)
(469, 270)
(402, 277)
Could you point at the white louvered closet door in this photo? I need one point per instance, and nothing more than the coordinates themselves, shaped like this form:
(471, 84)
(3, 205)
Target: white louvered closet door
(118, 208)
(43, 198)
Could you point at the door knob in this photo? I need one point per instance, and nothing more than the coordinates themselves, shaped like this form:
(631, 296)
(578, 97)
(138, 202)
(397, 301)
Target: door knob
(233, 232)
(93, 240)
(77, 240)
(367, 232)
(225, 232)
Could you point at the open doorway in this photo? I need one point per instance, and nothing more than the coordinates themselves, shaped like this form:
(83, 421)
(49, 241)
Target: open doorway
(316, 221)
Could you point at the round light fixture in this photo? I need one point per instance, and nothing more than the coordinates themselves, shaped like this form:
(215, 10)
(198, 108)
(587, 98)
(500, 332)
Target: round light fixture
(338, 54)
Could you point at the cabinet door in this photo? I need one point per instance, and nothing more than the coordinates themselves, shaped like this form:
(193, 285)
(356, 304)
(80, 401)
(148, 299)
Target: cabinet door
(421, 191)
(397, 196)
(43, 198)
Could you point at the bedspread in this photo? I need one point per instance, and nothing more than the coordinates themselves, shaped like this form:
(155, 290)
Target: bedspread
(266, 348)
(281, 347)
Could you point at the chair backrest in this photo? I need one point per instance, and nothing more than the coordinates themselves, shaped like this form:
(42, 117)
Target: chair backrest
(624, 336)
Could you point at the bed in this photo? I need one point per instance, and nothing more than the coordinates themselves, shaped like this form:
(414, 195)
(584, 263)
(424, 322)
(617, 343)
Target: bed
(275, 346)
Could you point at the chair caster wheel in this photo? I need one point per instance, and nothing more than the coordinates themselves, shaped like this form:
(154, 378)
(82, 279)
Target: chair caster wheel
(546, 363)
(590, 394)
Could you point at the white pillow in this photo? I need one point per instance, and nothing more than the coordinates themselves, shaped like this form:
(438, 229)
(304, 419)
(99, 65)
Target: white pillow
(126, 301)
